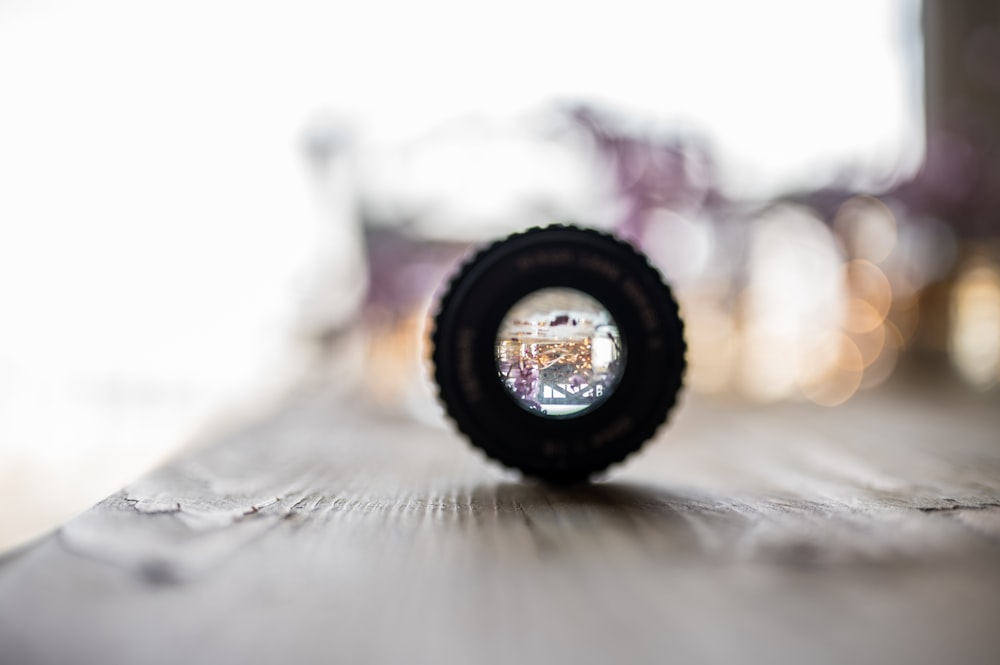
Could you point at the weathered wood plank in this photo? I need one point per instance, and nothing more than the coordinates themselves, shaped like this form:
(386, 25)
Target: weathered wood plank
(869, 533)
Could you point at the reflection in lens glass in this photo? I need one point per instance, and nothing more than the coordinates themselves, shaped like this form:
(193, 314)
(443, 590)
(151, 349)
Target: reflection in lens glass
(559, 352)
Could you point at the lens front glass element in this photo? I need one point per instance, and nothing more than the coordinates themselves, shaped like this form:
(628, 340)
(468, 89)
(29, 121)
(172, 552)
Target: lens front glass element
(559, 353)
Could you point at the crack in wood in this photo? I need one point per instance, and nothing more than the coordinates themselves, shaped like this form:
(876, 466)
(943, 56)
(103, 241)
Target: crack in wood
(959, 506)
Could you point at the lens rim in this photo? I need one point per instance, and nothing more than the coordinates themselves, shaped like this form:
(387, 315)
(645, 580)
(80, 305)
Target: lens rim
(464, 338)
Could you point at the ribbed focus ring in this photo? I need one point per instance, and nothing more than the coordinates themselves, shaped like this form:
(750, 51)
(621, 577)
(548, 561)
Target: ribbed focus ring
(558, 399)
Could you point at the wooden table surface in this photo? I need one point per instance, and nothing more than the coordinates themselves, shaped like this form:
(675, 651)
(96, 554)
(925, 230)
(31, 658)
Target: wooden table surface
(326, 533)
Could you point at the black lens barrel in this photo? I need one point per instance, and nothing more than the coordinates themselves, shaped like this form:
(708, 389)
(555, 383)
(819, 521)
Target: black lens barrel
(464, 351)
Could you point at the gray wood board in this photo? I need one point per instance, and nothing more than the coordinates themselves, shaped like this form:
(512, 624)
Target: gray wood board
(327, 533)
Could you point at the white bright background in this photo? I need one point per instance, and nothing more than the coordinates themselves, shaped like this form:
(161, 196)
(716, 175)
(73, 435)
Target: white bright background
(156, 218)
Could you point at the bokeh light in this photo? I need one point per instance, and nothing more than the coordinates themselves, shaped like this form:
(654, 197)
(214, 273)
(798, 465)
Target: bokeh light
(974, 342)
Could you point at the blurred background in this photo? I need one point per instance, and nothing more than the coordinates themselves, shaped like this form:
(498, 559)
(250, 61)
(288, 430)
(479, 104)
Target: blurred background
(206, 205)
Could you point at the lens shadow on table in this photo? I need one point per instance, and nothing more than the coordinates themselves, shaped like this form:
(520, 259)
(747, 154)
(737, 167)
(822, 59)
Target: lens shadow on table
(563, 520)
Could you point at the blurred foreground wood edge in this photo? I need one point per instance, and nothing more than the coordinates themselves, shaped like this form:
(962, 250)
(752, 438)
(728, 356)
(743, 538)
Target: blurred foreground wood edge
(327, 533)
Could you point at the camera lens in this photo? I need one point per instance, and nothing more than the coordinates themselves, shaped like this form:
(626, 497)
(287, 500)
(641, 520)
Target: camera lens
(558, 351)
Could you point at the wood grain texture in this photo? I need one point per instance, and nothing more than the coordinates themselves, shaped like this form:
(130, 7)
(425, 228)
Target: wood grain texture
(327, 533)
